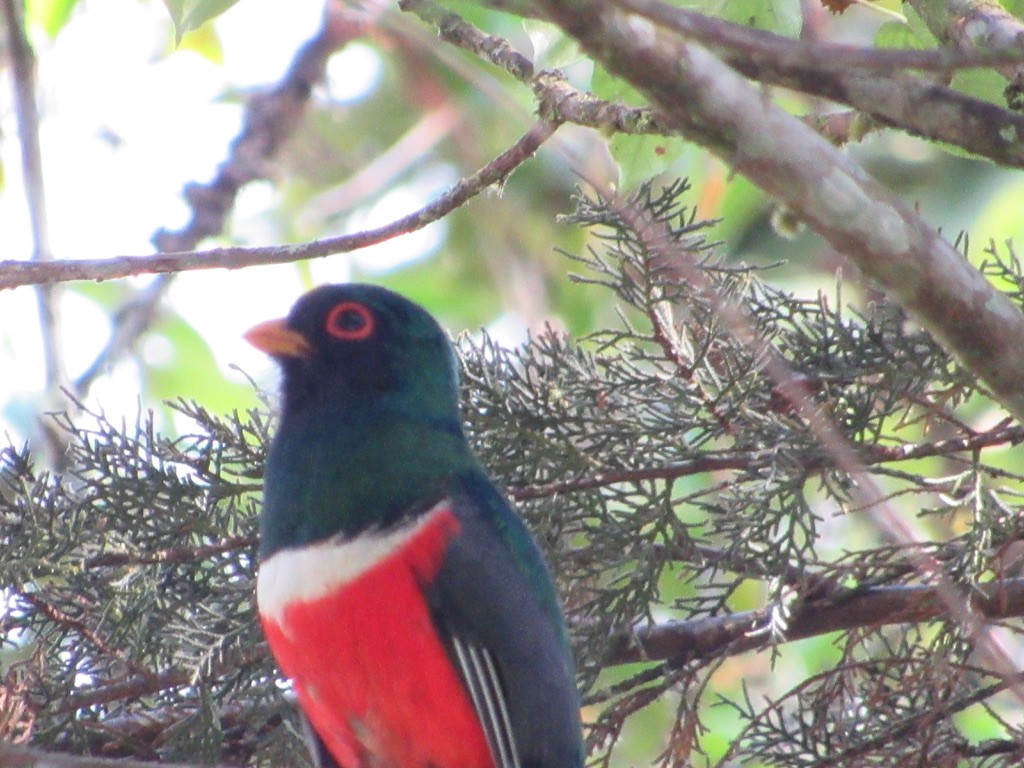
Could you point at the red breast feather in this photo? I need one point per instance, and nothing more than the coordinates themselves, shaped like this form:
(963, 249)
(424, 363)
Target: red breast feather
(369, 668)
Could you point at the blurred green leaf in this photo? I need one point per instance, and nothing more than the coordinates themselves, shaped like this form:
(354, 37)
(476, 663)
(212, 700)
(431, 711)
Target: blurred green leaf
(782, 17)
(612, 88)
(552, 48)
(205, 41)
(192, 371)
(912, 34)
(1016, 7)
(448, 295)
(50, 15)
(639, 157)
(642, 157)
(985, 84)
(978, 723)
(108, 294)
(189, 15)
(1001, 214)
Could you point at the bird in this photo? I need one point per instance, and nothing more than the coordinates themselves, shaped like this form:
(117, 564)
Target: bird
(398, 589)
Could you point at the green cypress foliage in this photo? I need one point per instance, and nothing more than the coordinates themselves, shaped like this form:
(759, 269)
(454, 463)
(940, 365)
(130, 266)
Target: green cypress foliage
(689, 508)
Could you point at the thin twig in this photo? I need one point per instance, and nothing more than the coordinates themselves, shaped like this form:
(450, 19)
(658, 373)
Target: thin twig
(374, 176)
(23, 66)
(62, 619)
(16, 273)
(136, 686)
(270, 118)
(171, 555)
(735, 461)
(16, 756)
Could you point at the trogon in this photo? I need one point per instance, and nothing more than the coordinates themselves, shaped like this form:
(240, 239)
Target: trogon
(398, 590)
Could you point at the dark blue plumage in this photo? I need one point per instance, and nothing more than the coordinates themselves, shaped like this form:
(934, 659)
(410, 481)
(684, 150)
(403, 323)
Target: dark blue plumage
(371, 473)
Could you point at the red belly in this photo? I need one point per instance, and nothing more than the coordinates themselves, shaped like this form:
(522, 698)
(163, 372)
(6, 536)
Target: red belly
(371, 672)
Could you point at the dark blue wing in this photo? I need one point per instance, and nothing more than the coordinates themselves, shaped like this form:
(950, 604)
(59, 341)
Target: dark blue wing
(494, 603)
(318, 752)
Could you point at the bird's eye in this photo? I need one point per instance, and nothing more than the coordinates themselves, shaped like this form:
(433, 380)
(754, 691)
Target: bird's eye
(349, 321)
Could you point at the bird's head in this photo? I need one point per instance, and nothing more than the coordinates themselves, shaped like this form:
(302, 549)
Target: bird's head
(357, 346)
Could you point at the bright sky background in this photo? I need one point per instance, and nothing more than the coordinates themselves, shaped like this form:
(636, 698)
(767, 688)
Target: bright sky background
(123, 129)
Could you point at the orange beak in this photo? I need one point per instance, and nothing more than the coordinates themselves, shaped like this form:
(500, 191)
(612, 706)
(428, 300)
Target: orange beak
(278, 340)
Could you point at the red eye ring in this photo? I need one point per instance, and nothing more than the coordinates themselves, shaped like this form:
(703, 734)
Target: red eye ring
(362, 330)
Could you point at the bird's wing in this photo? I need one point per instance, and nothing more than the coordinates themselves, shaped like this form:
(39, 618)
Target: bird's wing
(493, 604)
(480, 674)
(318, 751)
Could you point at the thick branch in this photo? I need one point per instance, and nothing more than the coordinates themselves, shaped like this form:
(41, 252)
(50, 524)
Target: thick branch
(683, 641)
(844, 75)
(777, 51)
(972, 25)
(709, 102)
(841, 73)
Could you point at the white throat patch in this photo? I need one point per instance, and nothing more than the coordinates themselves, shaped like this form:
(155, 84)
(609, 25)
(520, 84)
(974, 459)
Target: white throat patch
(308, 573)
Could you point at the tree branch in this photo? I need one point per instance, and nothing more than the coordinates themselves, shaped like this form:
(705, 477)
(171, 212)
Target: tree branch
(172, 555)
(16, 273)
(746, 461)
(270, 118)
(679, 642)
(139, 685)
(760, 47)
(841, 73)
(734, 461)
(850, 76)
(15, 756)
(23, 66)
(676, 263)
(62, 619)
(972, 25)
(815, 68)
(713, 105)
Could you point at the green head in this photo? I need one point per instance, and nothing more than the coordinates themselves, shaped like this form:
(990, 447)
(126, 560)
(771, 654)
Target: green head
(369, 426)
(349, 346)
